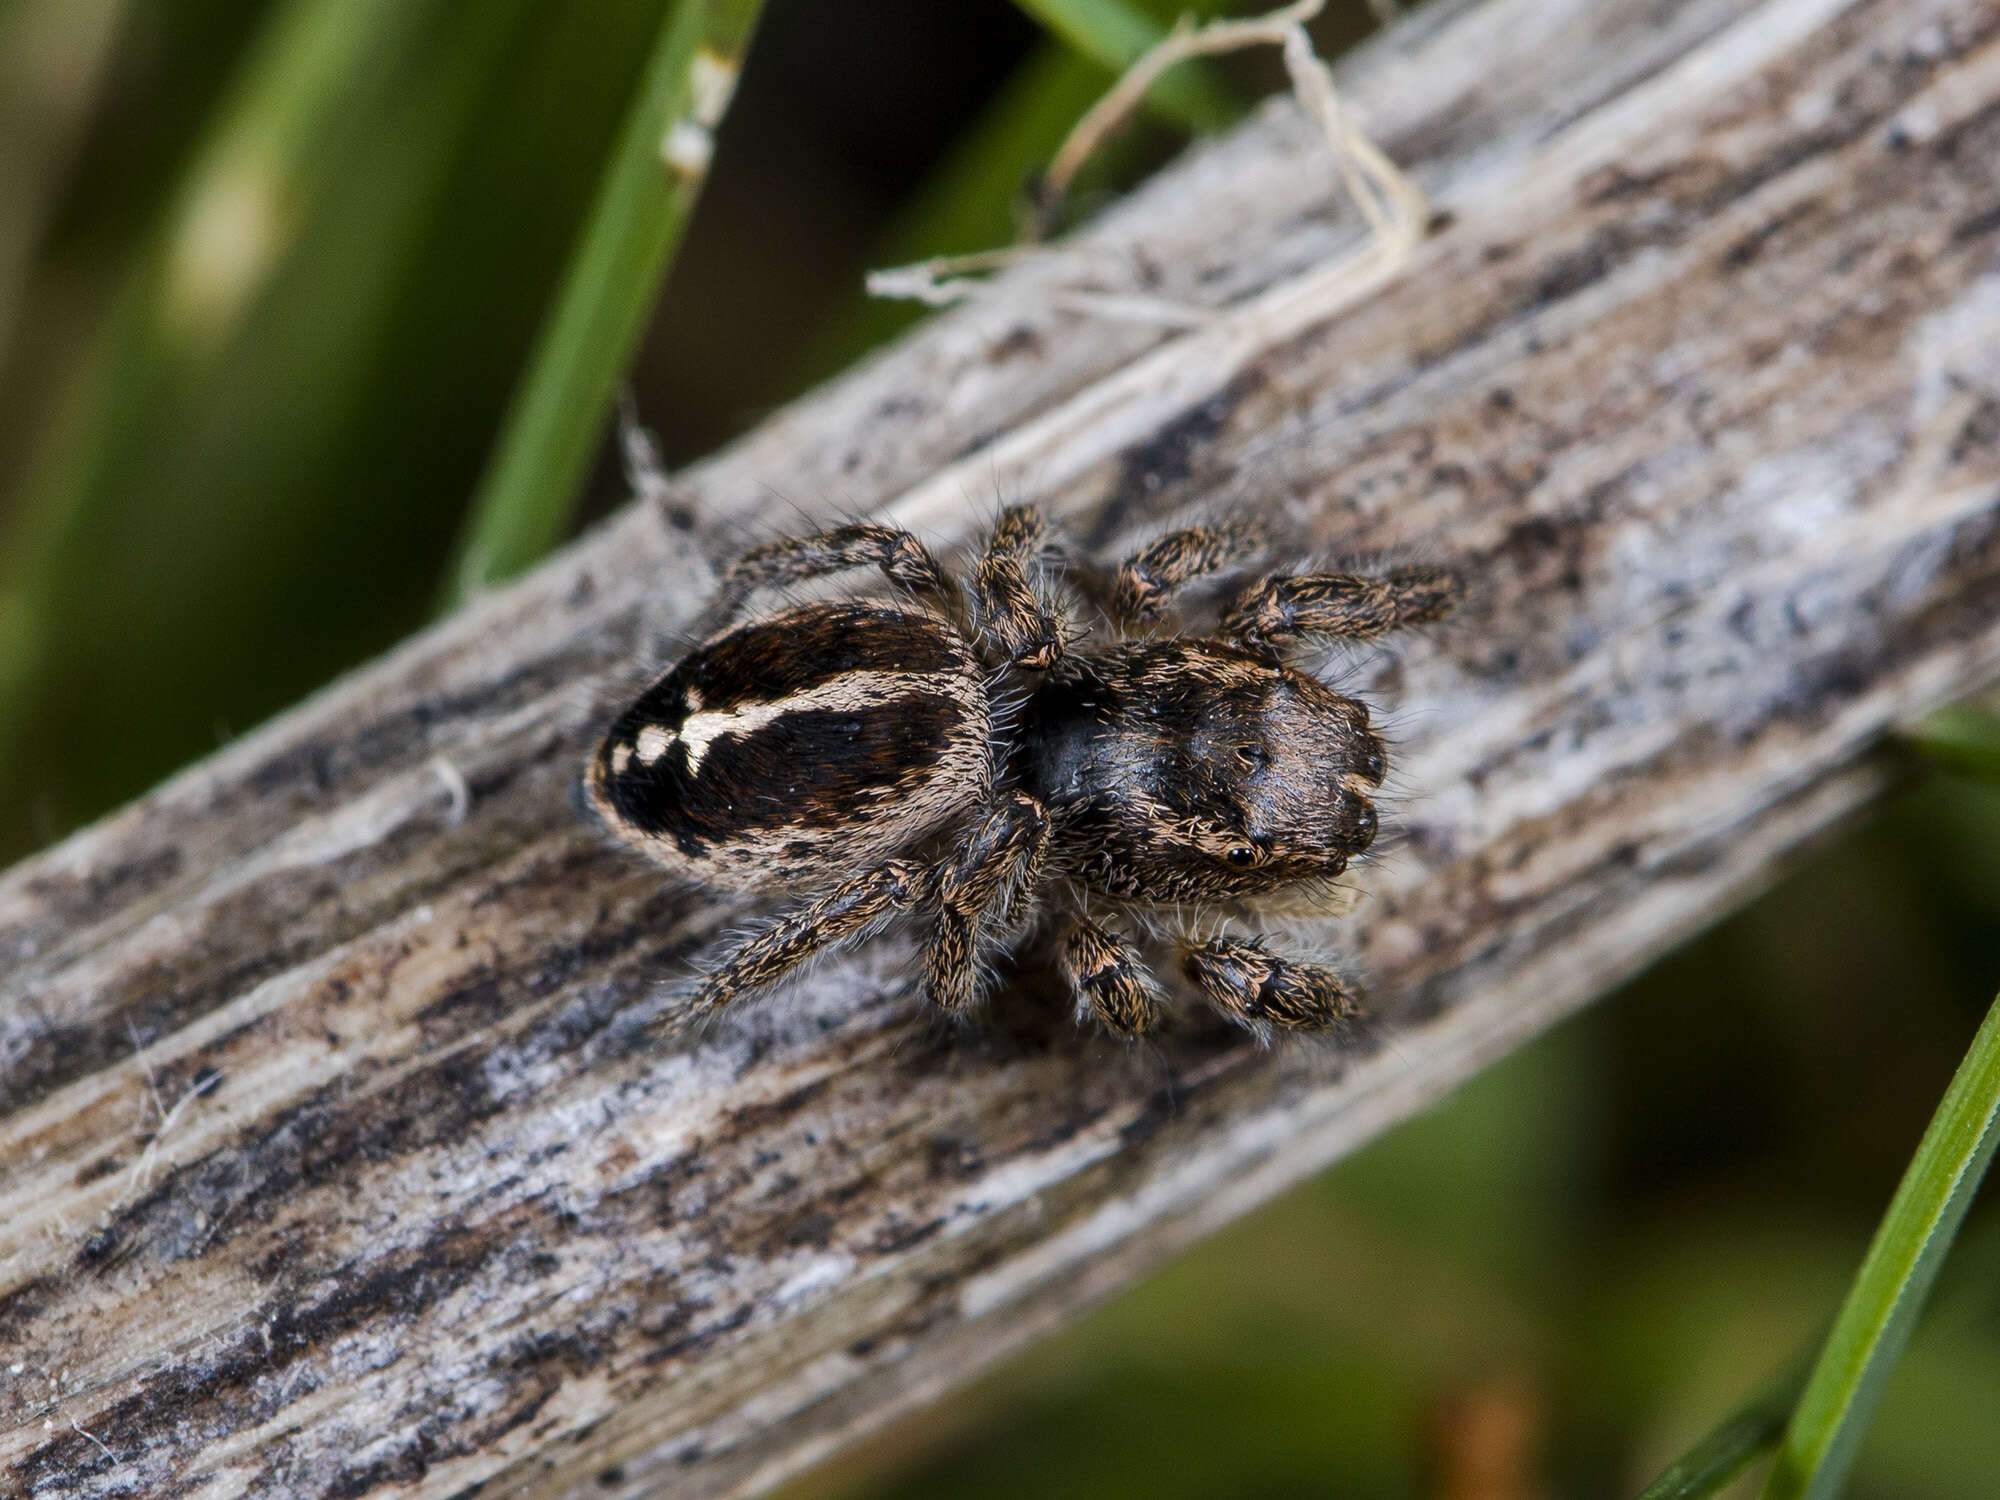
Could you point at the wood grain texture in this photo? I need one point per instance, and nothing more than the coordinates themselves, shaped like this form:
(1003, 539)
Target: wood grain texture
(335, 1158)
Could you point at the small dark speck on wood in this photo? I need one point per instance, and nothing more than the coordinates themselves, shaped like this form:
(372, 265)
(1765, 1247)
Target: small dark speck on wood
(335, 1157)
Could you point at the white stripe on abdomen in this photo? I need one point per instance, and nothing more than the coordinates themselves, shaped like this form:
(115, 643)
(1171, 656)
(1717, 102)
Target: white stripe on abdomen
(849, 692)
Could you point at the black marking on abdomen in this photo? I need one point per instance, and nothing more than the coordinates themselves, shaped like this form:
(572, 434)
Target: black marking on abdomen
(804, 648)
(831, 717)
(810, 770)
(820, 769)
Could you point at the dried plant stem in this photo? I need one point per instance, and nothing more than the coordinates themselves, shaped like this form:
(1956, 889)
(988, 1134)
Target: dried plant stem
(1392, 205)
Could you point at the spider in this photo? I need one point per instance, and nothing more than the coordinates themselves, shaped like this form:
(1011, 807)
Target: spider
(943, 752)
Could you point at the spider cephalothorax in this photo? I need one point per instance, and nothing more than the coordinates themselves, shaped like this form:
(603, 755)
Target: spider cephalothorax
(851, 751)
(1181, 771)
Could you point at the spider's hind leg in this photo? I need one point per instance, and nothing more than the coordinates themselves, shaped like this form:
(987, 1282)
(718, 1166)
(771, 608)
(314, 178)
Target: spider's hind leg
(979, 894)
(904, 561)
(844, 914)
(1256, 988)
(1028, 629)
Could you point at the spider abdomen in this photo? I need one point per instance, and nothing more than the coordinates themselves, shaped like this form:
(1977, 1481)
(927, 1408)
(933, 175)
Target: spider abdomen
(799, 746)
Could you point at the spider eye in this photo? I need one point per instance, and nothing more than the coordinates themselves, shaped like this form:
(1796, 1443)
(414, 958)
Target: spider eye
(1242, 855)
(1374, 761)
(1251, 755)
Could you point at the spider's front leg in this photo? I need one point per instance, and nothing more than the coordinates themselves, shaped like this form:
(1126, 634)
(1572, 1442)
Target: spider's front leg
(847, 912)
(904, 561)
(1339, 606)
(1004, 603)
(1109, 980)
(1257, 989)
(980, 893)
(1146, 582)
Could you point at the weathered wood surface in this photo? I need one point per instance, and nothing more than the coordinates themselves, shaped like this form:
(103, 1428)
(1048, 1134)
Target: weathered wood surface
(1699, 383)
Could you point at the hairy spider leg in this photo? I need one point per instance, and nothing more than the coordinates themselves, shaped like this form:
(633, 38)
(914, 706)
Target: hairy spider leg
(844, 914)
(977, 896)
(1004, 603)
(1338, 606)
(904, 561)
(1109, 979)
(1256, 988)
(1147, 581)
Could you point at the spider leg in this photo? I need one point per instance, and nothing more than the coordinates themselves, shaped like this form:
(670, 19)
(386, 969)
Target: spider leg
(980, 893)
(1257, 989)
(1145, 583)
(904, 561)
(1339, 606)
(1005, 603)
(1109, 979)
(845, 913)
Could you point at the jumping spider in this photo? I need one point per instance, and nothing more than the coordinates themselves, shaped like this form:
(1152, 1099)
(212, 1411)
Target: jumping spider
(945, 753)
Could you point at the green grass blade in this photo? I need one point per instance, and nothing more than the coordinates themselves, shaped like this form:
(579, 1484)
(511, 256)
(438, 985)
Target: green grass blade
(1875, 1321)
(648, 191)
(1114, 33)
(1961, 739)
(1744, 1436)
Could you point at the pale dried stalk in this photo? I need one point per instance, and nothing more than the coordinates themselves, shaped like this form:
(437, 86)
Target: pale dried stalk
(1391, 204)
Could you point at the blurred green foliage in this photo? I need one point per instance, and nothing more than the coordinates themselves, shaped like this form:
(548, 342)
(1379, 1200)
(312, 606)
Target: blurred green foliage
(283, 372)
(270, 273)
